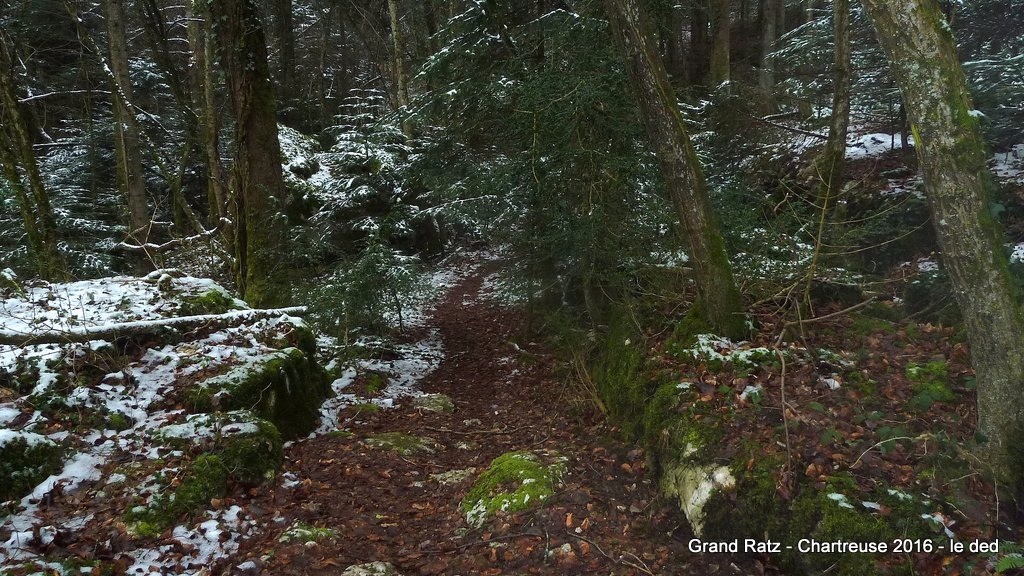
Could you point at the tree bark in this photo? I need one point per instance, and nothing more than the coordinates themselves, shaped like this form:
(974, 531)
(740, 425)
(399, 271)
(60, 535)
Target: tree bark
(700, 42)
(286, 57)
(256, 174)
(16, 152)
(127, 146)
(952, 157)
(401, 76)
(829, 166)
(766, 74)
(679, 166)
(720, 42)
(204, 100)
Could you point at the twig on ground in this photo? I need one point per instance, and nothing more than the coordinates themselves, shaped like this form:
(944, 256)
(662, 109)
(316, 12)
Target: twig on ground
(877, 444)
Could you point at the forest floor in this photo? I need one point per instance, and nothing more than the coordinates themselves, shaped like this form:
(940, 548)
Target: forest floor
(386, 506)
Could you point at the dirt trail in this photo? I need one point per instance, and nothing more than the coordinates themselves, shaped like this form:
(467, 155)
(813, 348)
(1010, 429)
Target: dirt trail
(383, 506)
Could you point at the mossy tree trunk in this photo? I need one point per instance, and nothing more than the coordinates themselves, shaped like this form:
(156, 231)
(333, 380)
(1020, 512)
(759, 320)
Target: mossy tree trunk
(17, 157)
(257, 181)
(204, 100)
(679, 166)
(952, 157)
(829, 165)
(127, 145)
(720, 42)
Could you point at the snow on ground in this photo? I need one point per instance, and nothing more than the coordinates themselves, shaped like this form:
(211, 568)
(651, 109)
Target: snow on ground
(405, 364)
(871, 145)
(1009, 165)
(137, 391)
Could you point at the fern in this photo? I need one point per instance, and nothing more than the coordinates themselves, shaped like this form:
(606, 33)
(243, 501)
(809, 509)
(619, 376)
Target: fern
(1012, 561)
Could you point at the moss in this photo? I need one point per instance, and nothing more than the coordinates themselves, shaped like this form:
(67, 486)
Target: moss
(26, 460)
(250, 447)
(204, 479)
(930, 382)
(515, 481)
(617, 374)
(209, 302)
(434, 403)
(865, 325)
(404, 444)
(659, 410)
(284, 387)
(367, 408)
(753, 510)
(302, 532)
(118, 421)
(829, 516)
(684, 333)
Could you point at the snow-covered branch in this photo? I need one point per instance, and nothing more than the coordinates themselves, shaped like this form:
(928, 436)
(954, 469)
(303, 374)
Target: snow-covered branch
(142, 327)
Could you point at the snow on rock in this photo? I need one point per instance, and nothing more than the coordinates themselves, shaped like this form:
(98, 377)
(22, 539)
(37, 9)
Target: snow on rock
(103, 402)
(131, 402)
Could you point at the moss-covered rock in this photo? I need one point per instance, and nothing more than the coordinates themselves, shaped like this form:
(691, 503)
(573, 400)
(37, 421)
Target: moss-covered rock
(434, 403)
(693, 485)
(26, 459)
(202, 480)
(284, 387)
(514, 481)
(305, 533)
(372, 569)
(404, 444)
(209, 302)
(250, 447)
(453, 476)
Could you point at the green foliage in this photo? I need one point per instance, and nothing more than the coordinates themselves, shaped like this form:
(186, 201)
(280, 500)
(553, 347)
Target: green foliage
(1014, 561)
(546, 156)
(25, 461)
(368, 294)
(931, 384)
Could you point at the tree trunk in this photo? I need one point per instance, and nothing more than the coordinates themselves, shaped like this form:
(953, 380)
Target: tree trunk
(679, 166)
(720, 42)
(430, 21)
(401, 77)
(256, 178)
(674, 44)
(805, 105)
(700, 42)
(322, 80)
(127, 147)
(829, 166)
(766, 75)
(204, 101)
(16, 152)
(286, 58)
(952, 157)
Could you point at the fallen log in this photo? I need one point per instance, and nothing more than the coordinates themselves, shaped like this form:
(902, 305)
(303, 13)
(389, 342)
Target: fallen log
(141, 328)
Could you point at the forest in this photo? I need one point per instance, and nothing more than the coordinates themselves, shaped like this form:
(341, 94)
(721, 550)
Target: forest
(630, 287)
